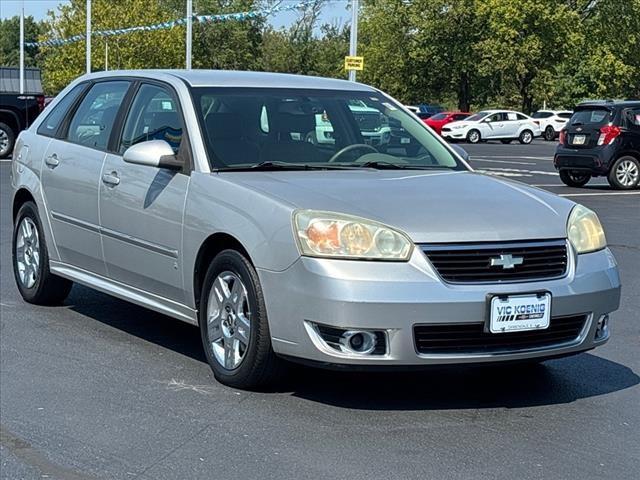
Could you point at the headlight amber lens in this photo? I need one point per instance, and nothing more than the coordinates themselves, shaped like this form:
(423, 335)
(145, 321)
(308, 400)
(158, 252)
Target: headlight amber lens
(585, 231)
(334, 235)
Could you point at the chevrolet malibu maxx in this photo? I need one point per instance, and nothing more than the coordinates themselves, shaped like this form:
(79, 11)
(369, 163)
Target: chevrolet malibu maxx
(199, 194)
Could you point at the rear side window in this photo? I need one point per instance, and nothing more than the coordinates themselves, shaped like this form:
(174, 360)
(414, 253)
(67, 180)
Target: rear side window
(595, 117)
(633, 118)
(92, 123)
(565, 114)
(49, 127)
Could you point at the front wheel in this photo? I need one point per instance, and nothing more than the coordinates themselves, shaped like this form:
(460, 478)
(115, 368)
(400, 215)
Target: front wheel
(526, 137)
(234, 326)
(625, 173)
(474, 136)
(549, 134)
(7, 140)
(574, 179)
(31, 261)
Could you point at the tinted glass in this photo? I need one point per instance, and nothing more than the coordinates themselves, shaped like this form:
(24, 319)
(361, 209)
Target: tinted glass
(92, 123)
(154, 115)
(461, 116)
(595, 117)
(439, 116)
(51, 123)
(520, 116)
(565, 114)
(478, 116)
(633, 117)
(246, 126)
(542, 115)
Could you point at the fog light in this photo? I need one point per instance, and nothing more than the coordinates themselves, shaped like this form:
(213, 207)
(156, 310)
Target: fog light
(602, 328)
(361, 342)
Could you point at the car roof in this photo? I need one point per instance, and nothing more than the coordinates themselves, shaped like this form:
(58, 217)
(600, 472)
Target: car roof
(232, 78)
(610, 103)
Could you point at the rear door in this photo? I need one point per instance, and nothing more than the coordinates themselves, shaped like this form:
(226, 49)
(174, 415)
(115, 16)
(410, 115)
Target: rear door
(583, 129)
(71, 174)
(141, 206)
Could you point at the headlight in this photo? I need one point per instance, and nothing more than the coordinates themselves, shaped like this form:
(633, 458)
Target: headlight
(585, 231)
(334, 235)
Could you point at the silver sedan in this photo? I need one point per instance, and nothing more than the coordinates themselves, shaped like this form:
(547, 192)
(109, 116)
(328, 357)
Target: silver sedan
(299, 218)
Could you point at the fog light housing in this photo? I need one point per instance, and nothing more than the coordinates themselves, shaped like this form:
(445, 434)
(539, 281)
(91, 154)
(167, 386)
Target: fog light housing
(350, 341)
(602, 328)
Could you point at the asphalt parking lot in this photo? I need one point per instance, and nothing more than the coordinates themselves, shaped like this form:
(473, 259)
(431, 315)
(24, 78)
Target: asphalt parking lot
(101, 389)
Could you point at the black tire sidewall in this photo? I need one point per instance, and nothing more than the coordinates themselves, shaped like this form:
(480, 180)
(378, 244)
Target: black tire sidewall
(613, 181)
(29, 209)
(547, 137)
(12, 139)
(565, 176)
(246, 374)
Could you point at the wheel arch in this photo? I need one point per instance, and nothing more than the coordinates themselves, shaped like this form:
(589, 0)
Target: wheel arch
(212, 246)
(22, 196)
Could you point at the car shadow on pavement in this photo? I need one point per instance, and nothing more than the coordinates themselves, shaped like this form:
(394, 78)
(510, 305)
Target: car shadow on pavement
(454, 387)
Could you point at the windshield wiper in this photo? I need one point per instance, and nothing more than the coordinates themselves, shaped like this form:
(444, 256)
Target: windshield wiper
(275, 165)
(382, 165)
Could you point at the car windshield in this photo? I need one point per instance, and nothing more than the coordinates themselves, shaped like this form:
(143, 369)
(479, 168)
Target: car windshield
(439, 116)
(592, 116)
(259, 128)
(476, 117)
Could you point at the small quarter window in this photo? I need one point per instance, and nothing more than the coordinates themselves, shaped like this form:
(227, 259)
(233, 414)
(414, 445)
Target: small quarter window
(49, 127)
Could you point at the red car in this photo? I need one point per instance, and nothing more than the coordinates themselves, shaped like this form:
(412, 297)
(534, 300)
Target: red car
(439, 120)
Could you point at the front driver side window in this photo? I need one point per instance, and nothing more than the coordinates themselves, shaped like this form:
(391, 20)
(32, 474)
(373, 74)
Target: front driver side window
(92, 123)
(154, 115)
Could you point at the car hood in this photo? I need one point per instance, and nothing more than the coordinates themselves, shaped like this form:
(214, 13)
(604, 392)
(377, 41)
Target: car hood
(463, 123)
(438, 206)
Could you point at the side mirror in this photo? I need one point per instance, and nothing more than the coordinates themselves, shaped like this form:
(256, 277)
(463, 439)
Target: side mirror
(460, 151)
(152, 153)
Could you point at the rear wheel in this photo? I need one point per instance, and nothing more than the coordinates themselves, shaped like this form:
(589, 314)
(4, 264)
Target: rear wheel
(7, 140)
(625, 173)
(233, 324)
(526, 137)
(31, 261)
(474, 136)
(574, 179)
(549, 134)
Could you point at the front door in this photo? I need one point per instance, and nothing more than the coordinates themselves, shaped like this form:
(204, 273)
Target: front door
(141, 206)
(495, 126)
(71, 173)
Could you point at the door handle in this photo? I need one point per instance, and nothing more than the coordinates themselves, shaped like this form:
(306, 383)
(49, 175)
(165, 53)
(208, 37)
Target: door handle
(111, 179)
(52, 161)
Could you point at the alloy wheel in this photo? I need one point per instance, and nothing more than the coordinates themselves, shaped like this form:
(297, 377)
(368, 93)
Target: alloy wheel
(228, 320)
(4, 142)
(28, 252)
(627, 173)
(526, 137)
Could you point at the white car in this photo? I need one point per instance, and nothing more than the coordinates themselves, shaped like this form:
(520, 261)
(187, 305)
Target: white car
(503, 125)
(373, 125)
(551, 122)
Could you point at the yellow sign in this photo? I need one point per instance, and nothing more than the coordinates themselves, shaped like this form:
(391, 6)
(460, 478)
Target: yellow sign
(354, 63)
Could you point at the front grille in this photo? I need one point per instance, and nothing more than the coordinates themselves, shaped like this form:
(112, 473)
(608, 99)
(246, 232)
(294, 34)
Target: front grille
(368, 122)
(484, 262)
(471, 338)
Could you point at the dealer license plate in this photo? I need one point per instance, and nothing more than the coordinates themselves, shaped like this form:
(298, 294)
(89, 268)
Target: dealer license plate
(579, 139)
(517, 313)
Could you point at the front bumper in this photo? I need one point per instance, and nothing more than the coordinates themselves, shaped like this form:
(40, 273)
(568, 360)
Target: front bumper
(395, 297)
(459, 134)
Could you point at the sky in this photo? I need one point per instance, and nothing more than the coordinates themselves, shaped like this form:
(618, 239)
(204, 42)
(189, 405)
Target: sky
(333, 11)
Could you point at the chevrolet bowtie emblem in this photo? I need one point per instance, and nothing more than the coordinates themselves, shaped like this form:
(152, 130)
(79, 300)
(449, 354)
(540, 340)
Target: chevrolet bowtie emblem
(507, 261)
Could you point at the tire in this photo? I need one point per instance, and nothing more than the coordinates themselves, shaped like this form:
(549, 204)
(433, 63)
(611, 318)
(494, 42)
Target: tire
(574, 179)
(549, 134)
(474, 136)
(526, 137)
(237, 358)
(35, 281)
(625, 173)
(7, 140)
(506, 141)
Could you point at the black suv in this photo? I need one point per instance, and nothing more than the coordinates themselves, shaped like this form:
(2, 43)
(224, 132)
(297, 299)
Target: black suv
(602, 138)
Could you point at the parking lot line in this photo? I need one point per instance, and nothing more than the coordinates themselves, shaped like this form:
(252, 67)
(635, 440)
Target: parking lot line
(512, 156)
(479, 159)
(563, 185)
(597, 194)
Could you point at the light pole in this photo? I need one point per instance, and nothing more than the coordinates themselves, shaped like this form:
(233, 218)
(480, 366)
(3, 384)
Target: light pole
(353, 40)
(22, 48)
(189, 33)
(88, 36)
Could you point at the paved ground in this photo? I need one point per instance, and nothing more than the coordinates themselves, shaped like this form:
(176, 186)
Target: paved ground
(98, 388)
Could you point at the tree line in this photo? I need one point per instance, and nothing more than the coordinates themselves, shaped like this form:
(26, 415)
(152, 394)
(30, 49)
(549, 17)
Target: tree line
(464, 54)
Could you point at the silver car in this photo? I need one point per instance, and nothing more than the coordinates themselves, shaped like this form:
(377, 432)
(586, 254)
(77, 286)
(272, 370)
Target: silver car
(198, 195)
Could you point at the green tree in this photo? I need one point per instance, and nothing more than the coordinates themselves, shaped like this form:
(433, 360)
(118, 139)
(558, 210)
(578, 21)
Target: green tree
(156, 49)
(10, 41)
